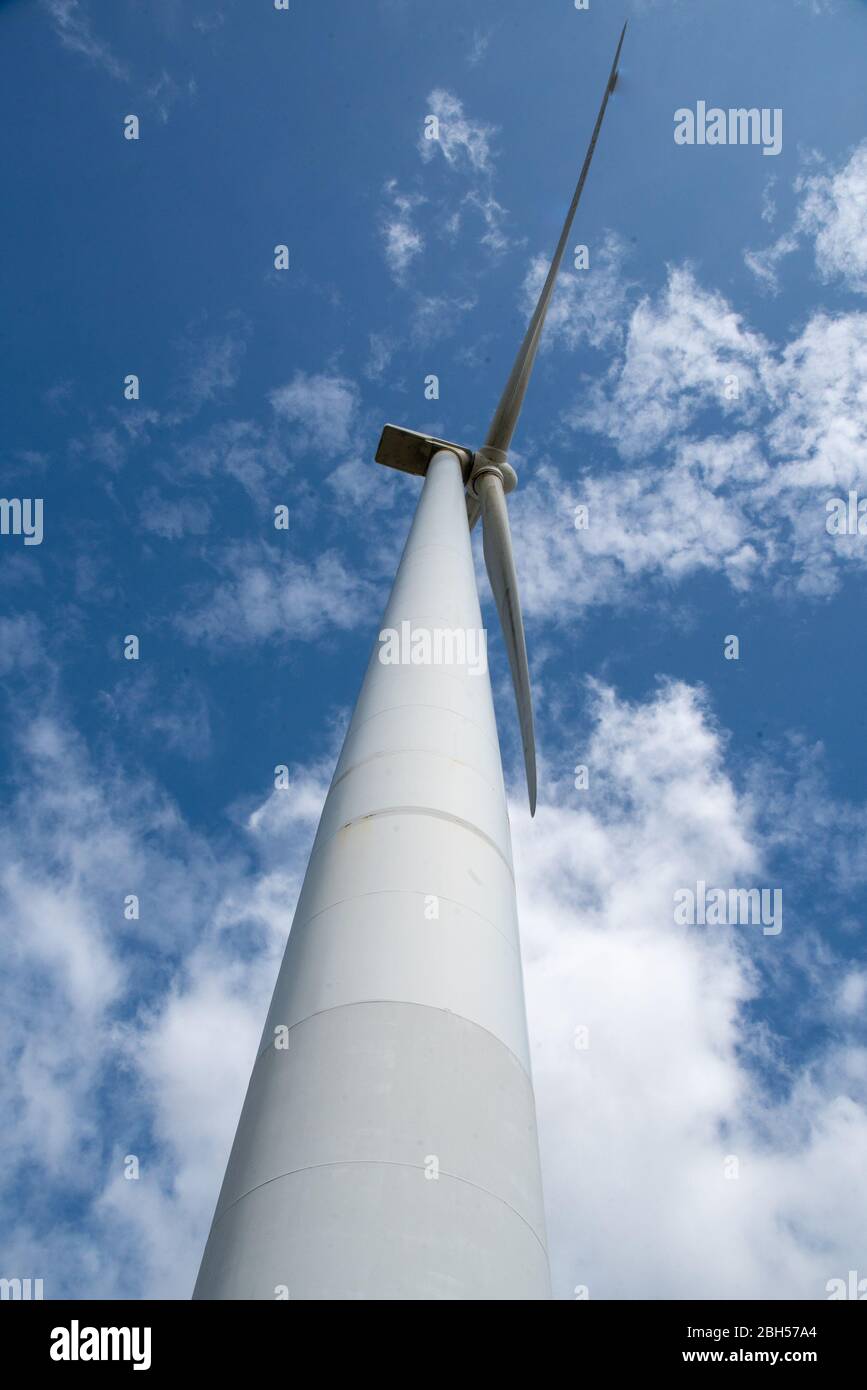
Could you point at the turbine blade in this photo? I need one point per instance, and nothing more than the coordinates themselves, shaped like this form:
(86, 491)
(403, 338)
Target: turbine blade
(500, 564)
(509, 408)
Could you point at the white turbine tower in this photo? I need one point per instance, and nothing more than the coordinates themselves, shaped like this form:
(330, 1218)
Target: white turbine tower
(387, 1146)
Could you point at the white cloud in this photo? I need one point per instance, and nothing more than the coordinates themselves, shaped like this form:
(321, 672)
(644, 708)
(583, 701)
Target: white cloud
(125, 1036)
(769, 206)
(666, 522)
(402, 244)
(636, 1129)
(321, 408)
(493, 214)
(479, 46)
(210, 366)
(176, 718)
(852, 995)
(466, 149)
(382, 349)
(437, 316)
(680, 350)
(819, 7)
(63, 875)
(268, 594)
(103, 445)
(72, 26)
(20, 643)
(465, 146)
(832, 212)
(462, 142)
(402, 239)
(819, 428)
(764, 264)
(166, 92)
(588, 305)
(752, 503)
(360, 488)
(173, 519)
(238, 448)
(208, 23)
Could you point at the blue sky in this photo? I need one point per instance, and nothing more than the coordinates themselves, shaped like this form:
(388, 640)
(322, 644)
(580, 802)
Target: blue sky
(262, 387)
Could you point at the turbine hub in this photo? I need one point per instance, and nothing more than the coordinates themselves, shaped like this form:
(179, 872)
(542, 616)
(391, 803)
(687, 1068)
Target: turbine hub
(491, 460)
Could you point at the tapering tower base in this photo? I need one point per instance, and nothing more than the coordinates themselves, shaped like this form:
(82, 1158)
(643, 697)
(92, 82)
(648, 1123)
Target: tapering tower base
(387, 1145)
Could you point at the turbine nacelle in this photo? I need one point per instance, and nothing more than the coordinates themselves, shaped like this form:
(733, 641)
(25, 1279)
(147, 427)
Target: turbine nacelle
(411, 452)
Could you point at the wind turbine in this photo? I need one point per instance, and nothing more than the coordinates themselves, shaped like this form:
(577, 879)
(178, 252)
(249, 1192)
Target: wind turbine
(387, 1146)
